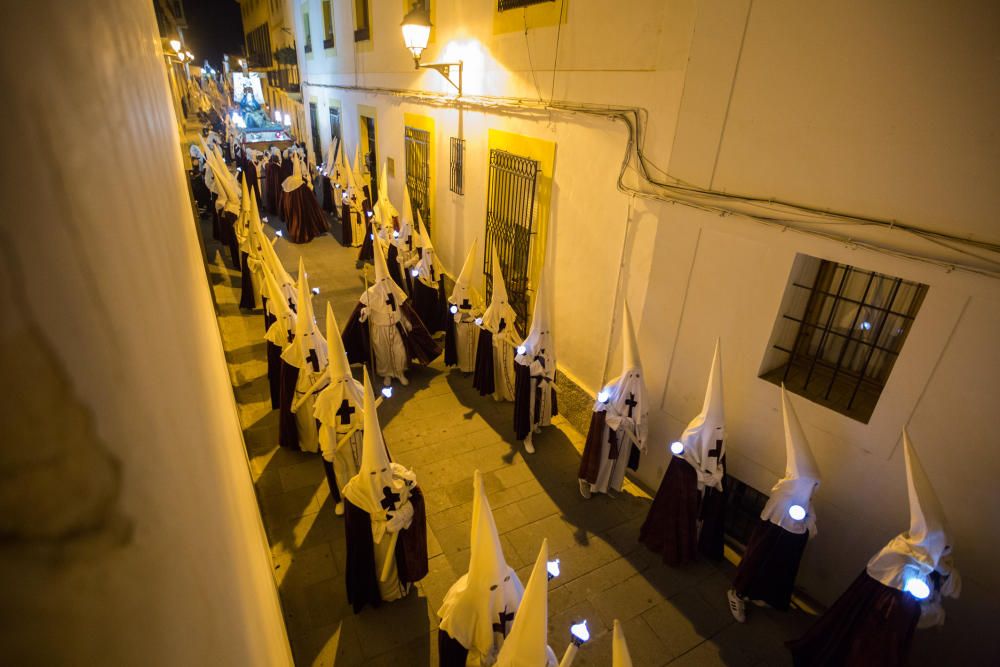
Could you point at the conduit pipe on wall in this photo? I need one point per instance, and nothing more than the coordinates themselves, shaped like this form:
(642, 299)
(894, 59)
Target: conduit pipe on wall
(770, 211)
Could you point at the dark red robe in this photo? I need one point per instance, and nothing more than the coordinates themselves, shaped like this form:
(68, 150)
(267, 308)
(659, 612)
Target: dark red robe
(870, 625)
(524, 420)
(303, 217)
(411, 552)
(770, 564)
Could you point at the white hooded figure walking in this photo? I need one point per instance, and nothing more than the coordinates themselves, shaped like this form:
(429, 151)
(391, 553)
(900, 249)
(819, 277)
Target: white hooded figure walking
(339, 409)
(465, 305)
(384, 522)
(494, 371)
(527, 643)
(308, 354)
(688, 511)
(535, 372)
(771, 560)
(900, 590)
(479, 607)
(385, 321)
(618, 426)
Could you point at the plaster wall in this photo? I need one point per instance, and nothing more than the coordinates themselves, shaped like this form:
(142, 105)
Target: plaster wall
(130, 528)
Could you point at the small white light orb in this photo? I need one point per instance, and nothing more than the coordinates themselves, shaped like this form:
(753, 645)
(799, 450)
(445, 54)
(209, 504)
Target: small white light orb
(453, 309)
(553, 568)
(370, 214)
(395, 234)
(264, 219)
(917, 587)
(371, 236)
(479, 321)
(414, 273)
(866, 325)
(288, 120)
(387, 392)
(676, 448)
(580, 631)
(797, 512)
(277, 116)
(315, 290)
(175, 44)
(603, 396)
(278, 233)
(522, 349)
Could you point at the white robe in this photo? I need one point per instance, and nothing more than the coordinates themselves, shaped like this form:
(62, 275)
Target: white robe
(466, 342)
(391, 359)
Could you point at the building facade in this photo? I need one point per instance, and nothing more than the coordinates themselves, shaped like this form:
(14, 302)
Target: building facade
(808, 185)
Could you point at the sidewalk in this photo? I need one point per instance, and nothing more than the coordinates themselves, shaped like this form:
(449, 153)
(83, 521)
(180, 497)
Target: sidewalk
(443, 429)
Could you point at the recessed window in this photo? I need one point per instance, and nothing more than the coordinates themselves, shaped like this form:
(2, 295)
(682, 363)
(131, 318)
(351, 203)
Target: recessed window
(457, 184)
(308, 33)
(362, 21)
(327, 24)
(504, 5)
(839, 334)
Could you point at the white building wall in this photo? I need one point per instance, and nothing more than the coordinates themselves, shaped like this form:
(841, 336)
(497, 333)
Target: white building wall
(883, 110)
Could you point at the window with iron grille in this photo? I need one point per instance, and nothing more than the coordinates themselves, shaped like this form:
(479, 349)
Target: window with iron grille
(314, 126)
(362, 21)
(743, 507)
(457, 183)
(839, 334)
(335, 123)
(327, 24)
(510, 226)
(416, 146)
(504, 5)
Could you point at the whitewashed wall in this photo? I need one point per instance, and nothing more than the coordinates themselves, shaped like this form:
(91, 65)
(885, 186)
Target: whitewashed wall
(880, 109)
(130, 528)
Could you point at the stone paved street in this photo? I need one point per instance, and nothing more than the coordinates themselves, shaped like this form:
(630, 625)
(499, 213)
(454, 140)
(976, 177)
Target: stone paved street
(444, 430)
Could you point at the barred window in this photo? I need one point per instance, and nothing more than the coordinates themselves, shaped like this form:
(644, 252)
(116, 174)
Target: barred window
(307, 31)
(362, 21)
(504, 5)
(457, 184)
(839, 334)
(327, 25)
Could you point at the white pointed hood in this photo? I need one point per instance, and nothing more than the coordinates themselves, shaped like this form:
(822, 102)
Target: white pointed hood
(472, 608)
(282, 328)
(704, 438)
(499, 317)
(356, 171)
(378, 293)
(800, 480)
(329, 406)
(540, 344)
(626, 404)
(926, 546)
(428, 268)
(255, 233)
(308, 350)
(464, 295)
(619, 649)
(527, 643)
(295, 181)
(381, 488)
(330, 161)
(405, 241)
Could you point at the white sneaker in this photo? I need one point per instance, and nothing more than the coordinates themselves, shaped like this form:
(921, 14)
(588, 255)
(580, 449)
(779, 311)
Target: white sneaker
(528, 447)
(338, 509)
(737, 606)
(585, 488)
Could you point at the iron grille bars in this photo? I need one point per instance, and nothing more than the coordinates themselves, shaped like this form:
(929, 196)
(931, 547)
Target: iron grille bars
(457, 170)
(416, 146)
(510, 225)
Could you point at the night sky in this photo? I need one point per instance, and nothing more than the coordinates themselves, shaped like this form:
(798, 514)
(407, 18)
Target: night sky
(215, 27)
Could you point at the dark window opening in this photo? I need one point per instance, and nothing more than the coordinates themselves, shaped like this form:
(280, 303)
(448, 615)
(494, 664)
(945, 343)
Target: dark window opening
(743, 507)
(314, 126)
(457, 171)
(840, 333)
(371, 157)
(327, 24)
(308, 33)
(362, 21)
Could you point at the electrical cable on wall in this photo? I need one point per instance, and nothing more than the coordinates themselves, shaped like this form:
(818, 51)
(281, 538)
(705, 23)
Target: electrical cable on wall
(774, 212)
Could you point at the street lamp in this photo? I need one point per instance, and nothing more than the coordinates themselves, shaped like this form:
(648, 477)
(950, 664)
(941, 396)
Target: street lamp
(416, 31)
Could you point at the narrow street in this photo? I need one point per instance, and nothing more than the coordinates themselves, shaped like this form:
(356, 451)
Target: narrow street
(444, 430)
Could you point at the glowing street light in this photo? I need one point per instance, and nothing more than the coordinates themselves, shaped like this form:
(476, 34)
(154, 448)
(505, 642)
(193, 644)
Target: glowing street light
(416, 32)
